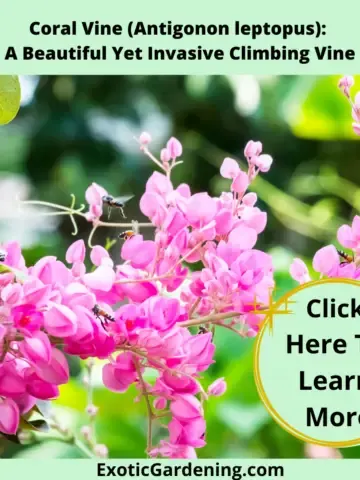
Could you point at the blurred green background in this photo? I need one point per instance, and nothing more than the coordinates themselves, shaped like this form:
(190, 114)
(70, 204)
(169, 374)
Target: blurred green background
(71, 131)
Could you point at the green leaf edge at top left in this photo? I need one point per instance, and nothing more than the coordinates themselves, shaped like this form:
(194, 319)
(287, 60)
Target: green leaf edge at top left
(10, 97)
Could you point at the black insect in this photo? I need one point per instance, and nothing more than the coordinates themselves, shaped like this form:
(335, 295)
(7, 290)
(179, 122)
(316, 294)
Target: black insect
(3, 256)
(113, 202)
(203, 330)
(345, 257)
(103, 316)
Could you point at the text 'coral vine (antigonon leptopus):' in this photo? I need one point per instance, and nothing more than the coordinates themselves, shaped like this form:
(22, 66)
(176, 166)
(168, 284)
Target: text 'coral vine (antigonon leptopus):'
(168, 313)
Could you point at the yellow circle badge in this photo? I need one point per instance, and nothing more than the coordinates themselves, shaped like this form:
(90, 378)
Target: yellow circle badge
(307, 362)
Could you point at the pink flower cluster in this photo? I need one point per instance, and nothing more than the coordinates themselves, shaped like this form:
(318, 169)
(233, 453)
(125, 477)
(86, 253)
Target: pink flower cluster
(44, 308)
(53, 308)
(331, 262)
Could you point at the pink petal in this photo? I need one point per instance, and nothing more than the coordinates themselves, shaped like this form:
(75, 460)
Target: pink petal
(224, 221)
(252, 149)
(97, 254)
(57, 371)
(100, 279)
(174, 147)
(355, 227)
(249, 199)
(243, 237)
(9, 416)
(201, 209)
(140, 253)
(256, 220)
(184, 190)
(37, 348)
(229, 168)
(186, 407)
(11, 385)
(217, 388)
(326, 259)
(263, 162)
(299, 271)
(60, 321)
(152, 205)
(76, 252)
(41, 389)
(240, 183)
(11, 293)
(159, 183)
(94, 194)
(345, 237)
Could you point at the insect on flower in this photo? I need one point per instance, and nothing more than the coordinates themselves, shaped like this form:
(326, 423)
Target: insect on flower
(126, 235)
(345, 256)
(103, 316)
(202, 330)
(3, 255)
(118, 202)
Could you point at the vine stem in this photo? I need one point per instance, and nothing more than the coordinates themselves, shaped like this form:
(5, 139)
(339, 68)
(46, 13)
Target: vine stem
(161, 366)
(151, 415)
(147, 279)
(84, 449)
(74, 211)
(214, 318)
(73, 440)
(187, 255)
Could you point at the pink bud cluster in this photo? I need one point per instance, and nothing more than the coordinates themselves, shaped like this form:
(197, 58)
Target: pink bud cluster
(49, 309)
(331, 262)
(345, 84)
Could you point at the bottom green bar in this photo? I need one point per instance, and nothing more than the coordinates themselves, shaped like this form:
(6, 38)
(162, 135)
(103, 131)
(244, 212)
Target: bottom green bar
(194, 469)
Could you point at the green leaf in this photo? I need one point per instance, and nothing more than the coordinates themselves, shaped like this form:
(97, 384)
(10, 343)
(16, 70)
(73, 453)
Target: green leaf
(316, 109)
(38, 425)
(43, 407)
(49, 449)
(10, 97)
(244, 420)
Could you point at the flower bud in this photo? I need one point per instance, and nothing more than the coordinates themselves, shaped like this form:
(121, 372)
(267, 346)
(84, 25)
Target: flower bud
(101, 451)
(86, 432)
(160, 403)
(251, 333)
(345, 83)
(263, 162)
(174, 147)
(91, 410)
(145, 138)
(165, 155)
(252, 149)
(217, 388)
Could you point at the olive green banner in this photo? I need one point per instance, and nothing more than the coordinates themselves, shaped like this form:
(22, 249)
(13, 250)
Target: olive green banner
(187, 37)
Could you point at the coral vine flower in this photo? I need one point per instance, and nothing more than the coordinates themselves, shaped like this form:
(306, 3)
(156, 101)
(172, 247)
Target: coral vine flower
(137, 314)
(26, 318)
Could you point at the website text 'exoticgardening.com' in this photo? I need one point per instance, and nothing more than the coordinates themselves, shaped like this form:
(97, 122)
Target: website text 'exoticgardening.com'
(189, 469)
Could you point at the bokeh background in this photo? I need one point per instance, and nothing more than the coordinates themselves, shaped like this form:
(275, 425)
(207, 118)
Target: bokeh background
(71, 131)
